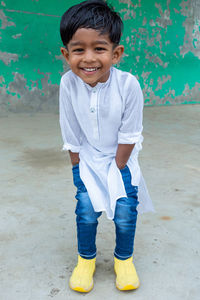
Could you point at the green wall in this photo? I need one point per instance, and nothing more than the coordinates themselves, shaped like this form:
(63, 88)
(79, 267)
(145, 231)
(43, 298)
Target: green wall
(162, 48)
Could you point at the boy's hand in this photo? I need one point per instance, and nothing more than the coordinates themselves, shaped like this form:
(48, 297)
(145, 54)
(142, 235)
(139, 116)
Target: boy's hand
(123, 154)
(74, 158)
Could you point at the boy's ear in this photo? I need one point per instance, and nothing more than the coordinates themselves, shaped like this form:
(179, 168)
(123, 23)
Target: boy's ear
(117, 54)
(65, 53)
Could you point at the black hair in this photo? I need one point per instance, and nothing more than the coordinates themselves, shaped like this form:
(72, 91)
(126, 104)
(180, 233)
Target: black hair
(94, 14)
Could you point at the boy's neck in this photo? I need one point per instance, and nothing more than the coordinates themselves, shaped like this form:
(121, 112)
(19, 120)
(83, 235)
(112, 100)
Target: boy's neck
(99, 82)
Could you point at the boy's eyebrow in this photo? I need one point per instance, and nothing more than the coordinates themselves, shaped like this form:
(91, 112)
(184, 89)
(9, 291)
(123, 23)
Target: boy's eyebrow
(102, 42)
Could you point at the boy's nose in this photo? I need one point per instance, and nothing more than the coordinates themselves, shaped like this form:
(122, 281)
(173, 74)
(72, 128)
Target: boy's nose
(89, 56)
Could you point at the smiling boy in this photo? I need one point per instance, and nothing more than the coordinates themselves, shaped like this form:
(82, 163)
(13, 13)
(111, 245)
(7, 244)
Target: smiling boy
(101, 124)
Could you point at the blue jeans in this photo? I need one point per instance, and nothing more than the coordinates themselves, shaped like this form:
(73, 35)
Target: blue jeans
(87, 219)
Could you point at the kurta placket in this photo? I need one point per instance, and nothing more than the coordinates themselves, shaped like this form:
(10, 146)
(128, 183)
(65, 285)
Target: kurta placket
(94, 112)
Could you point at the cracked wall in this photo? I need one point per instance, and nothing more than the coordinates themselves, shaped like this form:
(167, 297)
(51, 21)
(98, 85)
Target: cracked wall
(162, 48)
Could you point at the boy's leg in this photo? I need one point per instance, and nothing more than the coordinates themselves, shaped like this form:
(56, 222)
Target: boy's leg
(86, 218)
(125, 223)
(82, 276)
(87, 222)
(125, 218)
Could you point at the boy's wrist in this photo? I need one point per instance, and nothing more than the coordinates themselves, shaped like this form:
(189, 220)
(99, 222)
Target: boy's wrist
(75, 163)
(120, 165)
(74, 158)
(122, 155)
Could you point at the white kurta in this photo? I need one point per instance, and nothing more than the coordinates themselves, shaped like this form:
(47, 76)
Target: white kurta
(94, 120)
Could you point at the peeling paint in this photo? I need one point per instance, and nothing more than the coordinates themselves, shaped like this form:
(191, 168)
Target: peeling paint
(24, 99)
(164, 19)
(191, 9)
(144, 21)
(155, 59)
(65, 65)
(128, 14)
(128, 2)
(17, 36)
(189, 95)
(2, 79)
(161, 81)
(31, 13)
(4, 21)
(7, 57)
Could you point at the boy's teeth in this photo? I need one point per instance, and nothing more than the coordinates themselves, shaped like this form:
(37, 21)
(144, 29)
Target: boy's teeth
(90, 69)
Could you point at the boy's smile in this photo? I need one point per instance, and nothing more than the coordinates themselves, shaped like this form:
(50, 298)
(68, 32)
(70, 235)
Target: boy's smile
(91, 54)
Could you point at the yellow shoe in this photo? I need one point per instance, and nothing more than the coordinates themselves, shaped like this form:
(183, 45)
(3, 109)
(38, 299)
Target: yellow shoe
(127, 278)
(82, 276)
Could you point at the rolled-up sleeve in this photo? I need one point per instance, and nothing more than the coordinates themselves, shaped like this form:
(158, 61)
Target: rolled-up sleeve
(70, 129)
(131, 126)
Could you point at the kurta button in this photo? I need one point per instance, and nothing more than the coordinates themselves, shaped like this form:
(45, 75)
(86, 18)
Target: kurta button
(94, 91)
(92, 109)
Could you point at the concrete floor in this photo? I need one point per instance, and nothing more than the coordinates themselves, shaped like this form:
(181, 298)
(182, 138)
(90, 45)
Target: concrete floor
(37, 221)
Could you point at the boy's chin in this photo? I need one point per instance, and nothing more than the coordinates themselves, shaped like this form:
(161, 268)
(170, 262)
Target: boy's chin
(91, 83)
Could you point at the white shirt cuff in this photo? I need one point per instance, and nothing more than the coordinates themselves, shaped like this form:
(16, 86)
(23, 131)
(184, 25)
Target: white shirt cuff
(70, 147)
(127, 138)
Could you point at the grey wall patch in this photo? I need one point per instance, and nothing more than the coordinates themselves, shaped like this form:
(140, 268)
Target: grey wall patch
(7, 57)
(4, 20)
(191, 9)
(65, 65)
(161, 81)
(129, 2)
(24, 99)
(16, 36)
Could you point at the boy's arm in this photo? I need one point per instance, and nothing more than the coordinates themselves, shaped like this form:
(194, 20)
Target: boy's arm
(74, 158)
(70, 128)
(123, 153)
(131, 126)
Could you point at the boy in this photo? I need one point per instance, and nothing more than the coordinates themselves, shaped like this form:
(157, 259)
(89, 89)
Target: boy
(101, 124)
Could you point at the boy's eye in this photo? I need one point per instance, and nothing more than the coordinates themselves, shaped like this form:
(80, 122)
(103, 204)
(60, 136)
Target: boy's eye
(78, 50)
(100, 49)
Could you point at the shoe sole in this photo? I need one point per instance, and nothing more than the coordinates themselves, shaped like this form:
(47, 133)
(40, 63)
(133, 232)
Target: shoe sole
(80, 289)
(127, 287)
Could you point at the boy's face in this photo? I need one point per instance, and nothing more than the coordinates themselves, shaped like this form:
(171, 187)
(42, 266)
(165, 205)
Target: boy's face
(90, 55)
